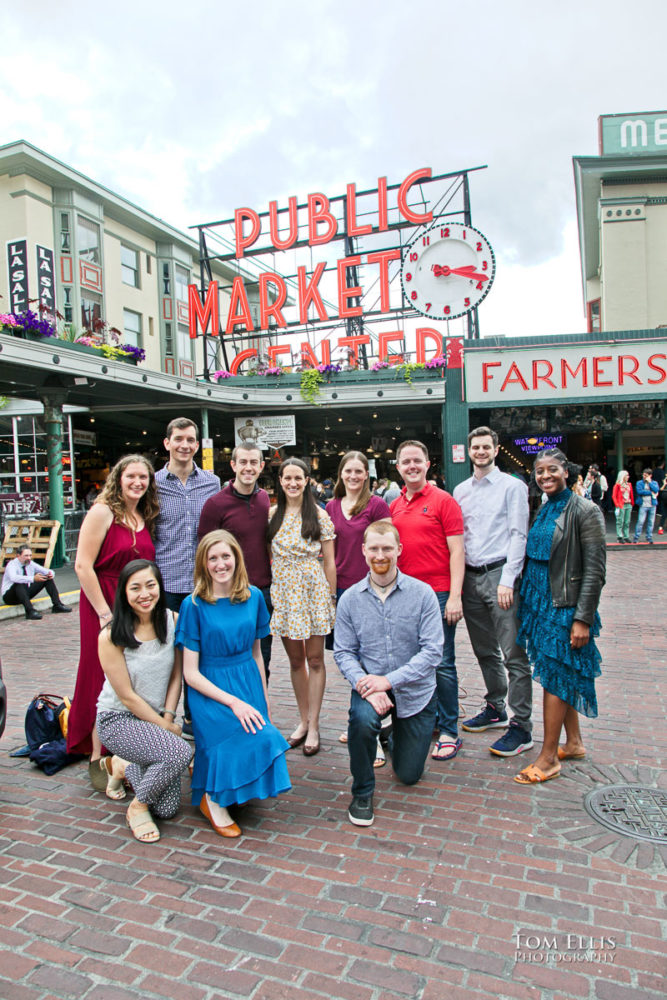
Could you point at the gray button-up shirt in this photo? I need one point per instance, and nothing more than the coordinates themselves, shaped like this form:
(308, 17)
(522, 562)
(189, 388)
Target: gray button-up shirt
(401, 639)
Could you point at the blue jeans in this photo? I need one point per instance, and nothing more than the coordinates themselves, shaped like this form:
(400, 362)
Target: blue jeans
(446, 680)
(641, 517)
(409, 743)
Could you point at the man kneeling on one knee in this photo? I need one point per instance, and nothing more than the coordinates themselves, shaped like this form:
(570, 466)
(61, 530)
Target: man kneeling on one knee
(387, 643)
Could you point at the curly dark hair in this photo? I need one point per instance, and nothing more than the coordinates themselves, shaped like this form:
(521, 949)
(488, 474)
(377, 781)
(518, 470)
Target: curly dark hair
(111, 493)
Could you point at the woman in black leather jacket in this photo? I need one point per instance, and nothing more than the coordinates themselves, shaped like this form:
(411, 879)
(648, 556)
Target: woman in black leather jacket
(558, 618)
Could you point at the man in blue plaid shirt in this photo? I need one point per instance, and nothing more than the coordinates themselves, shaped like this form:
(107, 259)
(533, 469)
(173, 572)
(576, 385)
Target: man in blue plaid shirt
(183, 489)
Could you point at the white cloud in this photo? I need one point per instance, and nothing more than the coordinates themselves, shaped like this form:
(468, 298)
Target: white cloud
(193, 111)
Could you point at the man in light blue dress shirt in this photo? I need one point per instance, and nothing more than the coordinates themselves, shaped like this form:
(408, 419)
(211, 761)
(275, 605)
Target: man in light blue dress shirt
(387, 644)
(495, 529)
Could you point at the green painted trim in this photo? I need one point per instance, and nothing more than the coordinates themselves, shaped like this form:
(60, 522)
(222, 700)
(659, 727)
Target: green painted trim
(590, 400)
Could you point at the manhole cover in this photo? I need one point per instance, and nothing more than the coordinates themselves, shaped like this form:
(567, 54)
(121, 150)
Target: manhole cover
(631, 810)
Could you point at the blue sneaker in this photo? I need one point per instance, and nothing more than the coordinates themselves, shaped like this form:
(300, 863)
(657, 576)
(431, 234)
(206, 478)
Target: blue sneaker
(488, 718)
(513, 742)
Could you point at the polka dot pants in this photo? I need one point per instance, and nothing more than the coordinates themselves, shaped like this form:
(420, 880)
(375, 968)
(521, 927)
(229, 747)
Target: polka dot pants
(156, 759)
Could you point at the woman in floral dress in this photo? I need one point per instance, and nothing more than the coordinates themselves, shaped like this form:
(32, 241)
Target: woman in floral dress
(303, 593)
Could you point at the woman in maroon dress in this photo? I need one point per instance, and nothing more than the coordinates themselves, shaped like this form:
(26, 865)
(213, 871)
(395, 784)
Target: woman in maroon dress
(116, 529)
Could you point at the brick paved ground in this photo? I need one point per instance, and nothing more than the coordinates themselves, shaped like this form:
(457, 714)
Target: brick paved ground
(425, 904)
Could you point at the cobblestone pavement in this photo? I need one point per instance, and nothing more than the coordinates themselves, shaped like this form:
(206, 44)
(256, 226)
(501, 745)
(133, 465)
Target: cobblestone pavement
(467, 886)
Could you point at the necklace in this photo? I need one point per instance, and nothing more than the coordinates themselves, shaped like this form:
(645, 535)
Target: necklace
(384, 586)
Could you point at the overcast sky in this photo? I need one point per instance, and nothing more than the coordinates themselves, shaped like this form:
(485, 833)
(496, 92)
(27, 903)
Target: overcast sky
(193, 109)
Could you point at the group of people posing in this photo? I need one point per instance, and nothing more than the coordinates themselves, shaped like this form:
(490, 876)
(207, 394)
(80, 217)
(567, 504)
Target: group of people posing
(181, 578)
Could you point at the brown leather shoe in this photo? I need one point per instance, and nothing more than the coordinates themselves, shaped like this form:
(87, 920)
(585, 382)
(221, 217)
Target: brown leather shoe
(232, 830)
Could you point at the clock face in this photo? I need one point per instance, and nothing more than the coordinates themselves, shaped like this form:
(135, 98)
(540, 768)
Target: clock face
(447, 270)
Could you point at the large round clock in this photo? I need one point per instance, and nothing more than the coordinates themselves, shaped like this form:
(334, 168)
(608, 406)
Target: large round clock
(447, 270)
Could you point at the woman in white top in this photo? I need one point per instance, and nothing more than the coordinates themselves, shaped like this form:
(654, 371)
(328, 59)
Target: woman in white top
(137, 705)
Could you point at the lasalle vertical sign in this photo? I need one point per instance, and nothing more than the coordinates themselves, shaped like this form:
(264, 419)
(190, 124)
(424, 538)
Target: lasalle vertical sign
(17, 263)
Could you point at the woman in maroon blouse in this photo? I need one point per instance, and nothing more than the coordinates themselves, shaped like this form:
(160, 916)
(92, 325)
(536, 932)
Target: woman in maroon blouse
(352, 509)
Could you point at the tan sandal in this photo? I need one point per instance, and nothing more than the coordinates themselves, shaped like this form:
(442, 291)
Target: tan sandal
(98, 774)
(142, 826)
(115, 768)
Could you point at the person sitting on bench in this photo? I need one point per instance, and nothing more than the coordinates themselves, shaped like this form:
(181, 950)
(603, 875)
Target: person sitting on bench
(23, 579)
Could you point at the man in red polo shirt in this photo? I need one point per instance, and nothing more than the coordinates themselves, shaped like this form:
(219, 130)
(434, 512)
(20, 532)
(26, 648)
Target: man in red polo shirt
(430, 524)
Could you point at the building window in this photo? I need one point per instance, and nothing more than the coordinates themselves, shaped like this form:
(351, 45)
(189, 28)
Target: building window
(131, 328)
(184, 343)
(182, 276)
(129, 266)
(88, 240)
(65, 242)
(593, 309)
(149, 264)
(168, 340)
(91, 310)
(166, 280)
(67, 304)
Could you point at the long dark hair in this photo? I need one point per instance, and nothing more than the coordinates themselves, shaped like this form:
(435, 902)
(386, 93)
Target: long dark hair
(365, 492)
(124, 618)
(310, 523)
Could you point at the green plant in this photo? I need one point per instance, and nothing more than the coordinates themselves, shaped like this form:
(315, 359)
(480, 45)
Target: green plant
(407, 369)
(311, 380)
(68, 333)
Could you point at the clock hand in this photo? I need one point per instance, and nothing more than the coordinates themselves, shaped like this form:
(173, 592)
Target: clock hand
(468, 271)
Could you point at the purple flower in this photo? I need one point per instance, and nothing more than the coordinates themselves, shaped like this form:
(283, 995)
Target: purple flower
(31, 323)
(222, 373)
(130, 351)
(439, 362)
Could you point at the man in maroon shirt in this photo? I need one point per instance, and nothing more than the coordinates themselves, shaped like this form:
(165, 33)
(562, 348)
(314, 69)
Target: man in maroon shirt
(242, 508)
(430, 525)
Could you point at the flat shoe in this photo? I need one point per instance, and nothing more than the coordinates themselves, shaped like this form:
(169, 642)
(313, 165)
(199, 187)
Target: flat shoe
(343, 737)
(380, 759)
(142, 826)
(532, 775)
(231, 830)
(450, 748)
(310, 749)
(563, 755)
(296, 741)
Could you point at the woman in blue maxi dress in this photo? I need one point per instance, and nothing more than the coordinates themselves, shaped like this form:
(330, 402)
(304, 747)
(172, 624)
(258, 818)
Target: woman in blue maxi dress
(240, 755)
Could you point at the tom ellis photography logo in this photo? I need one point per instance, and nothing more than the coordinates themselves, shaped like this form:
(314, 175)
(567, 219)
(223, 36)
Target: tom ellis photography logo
(565, 949)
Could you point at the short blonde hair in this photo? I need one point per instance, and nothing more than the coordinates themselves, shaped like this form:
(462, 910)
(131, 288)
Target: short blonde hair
(240, 591)
(383, 528)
